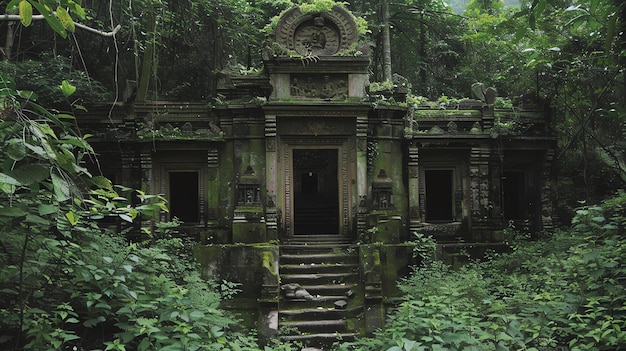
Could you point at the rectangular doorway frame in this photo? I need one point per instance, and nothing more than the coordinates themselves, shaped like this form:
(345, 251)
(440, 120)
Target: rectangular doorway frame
(344, 175)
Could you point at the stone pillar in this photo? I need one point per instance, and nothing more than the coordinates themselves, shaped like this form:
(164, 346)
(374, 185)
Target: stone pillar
(479, 189)
(496, 210)
(415, 218)
(145, 169)
(547, 221)
(212, 197)
(130, 168)
(271, 178)
(373, 309)
(361, 176)
(268, 301)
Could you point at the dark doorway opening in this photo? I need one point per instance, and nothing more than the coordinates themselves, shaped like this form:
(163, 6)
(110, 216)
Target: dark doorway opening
(183, 196)
(439, 195)
(309, 183)
(514, 195)
(316, 192)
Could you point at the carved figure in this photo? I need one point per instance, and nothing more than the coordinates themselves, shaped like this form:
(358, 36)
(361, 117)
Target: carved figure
(342, 90)
(328, 89)
(318, 40)
(310, 88)
(296, 90)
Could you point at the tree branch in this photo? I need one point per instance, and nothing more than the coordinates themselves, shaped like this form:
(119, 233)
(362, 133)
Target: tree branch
(81, 26)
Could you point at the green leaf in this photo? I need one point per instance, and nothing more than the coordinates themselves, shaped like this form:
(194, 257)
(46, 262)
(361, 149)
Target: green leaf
(66, 88)
(196, 314)
(72, 217)
(44, 209)
(77, 9)
(6, 179)
(12, 212)
(61, 188)
(101, 182)
(126, 217)
(15, 149)
(26, 13)
(65, 19)
(30, 173)
(53, 22)
(30, 218)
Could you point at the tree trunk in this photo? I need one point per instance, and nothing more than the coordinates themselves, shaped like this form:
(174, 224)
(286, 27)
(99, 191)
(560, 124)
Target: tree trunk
(148, 56)
(386, 42)
(422, 47)
(8, 47)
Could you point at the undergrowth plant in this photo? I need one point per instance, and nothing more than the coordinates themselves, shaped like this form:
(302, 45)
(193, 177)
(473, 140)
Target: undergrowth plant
(69, 281)
(562, 292)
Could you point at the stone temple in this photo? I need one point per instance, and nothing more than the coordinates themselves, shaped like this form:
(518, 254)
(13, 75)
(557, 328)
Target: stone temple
(304, 186)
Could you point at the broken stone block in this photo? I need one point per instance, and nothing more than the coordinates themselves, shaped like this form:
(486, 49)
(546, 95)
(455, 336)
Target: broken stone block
(341, 304)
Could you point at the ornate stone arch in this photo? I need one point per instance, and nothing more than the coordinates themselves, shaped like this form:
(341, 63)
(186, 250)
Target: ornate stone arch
(320, 34)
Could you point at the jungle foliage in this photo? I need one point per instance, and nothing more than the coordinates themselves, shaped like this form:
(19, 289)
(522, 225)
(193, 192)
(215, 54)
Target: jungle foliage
(562, 292)
(70, 277)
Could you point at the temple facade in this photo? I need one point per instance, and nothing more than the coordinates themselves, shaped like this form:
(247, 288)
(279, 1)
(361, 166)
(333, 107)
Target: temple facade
(308, 155)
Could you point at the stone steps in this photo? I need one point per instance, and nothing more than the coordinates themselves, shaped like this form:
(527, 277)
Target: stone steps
(329, 272)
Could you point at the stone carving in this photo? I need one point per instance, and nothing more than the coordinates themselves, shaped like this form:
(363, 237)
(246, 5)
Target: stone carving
(153, 129)
(316, 39)
(486, 95)
(452, 127)
(476, 128)
(316, 34)
(327, 88)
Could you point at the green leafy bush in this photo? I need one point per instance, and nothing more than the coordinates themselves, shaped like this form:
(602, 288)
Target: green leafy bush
(563, 292)
(45, 76)
(68, 281)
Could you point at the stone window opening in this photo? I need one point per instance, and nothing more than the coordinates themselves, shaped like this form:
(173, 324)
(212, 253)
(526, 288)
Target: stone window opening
(515, 199)
(184, 201)
(439, 195)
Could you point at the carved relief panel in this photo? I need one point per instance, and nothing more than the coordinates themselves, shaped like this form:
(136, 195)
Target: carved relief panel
(327, 86)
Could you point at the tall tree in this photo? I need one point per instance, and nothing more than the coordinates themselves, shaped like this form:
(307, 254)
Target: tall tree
(386, 39)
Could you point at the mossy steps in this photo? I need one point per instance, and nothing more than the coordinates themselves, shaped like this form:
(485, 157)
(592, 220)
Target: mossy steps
(329, 271)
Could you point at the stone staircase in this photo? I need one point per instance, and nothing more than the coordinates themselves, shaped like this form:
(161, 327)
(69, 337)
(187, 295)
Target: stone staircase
(321, 298)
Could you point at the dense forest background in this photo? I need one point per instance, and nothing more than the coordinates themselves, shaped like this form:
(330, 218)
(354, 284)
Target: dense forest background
(568, 54)
(458, 6)
(67, 283)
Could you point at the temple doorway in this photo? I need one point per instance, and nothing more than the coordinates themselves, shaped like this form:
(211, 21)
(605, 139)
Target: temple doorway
(315, 192)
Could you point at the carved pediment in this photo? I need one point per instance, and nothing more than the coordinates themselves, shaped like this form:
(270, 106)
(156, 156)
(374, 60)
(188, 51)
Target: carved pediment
(316, 34)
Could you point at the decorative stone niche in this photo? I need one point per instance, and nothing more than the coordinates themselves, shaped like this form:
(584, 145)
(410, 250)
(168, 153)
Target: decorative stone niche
(383, 222)
(382, 192)
(248, 219)
(249, 189)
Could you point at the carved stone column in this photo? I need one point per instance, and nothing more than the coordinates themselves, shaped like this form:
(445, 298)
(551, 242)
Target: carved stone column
(547, 220)
(415, 218)
(361, 175)
(131, 164)
(146, 170)
(271, 178)
(212, 197)
(479, 188)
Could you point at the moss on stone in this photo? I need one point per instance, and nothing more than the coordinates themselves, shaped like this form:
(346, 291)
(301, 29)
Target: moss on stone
(434, 114)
